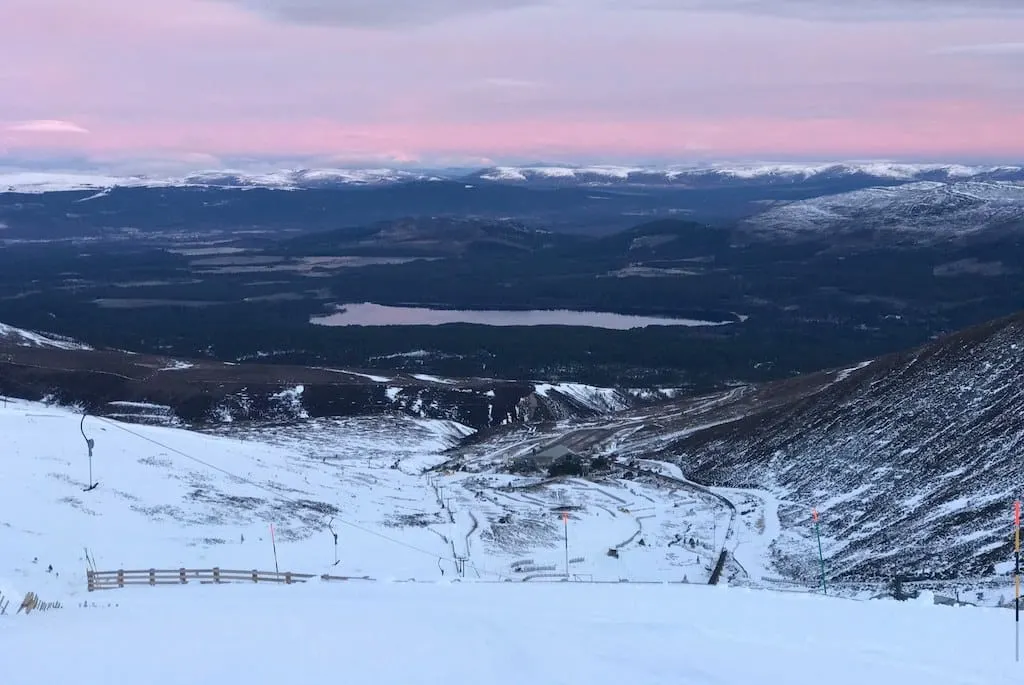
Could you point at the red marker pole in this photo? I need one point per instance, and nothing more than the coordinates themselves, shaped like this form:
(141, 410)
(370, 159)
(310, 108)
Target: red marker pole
(821, 557)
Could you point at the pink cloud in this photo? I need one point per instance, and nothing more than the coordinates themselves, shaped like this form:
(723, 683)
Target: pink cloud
(197, 77)
(46, 126)
(934, 128)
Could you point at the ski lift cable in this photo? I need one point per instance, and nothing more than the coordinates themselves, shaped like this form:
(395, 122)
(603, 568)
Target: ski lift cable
(280, 495)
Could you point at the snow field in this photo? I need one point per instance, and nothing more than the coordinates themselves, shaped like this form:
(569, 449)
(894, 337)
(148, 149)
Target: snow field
(505, 634)
(170, 498)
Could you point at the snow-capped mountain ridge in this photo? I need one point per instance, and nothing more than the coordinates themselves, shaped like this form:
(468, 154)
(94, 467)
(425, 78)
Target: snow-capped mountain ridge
(284, 179)
(898, 171)
(682, 174)
(924, 207)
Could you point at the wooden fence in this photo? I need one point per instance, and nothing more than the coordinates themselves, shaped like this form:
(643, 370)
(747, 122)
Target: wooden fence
(30, 602)
(109, 580)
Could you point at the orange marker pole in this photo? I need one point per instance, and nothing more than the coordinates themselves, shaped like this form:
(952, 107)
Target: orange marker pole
(821, 557)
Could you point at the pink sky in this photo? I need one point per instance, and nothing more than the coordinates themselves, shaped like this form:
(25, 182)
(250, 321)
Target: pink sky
(200, 82)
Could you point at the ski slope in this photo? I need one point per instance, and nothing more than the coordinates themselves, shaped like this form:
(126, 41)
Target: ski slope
(504, 634)
(172, 498)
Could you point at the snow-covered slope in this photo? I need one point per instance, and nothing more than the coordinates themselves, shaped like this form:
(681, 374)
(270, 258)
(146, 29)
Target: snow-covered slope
(698, 175)
(170, 498)
(23, 338)
(913, 460)
(504, 634)
(926, 208)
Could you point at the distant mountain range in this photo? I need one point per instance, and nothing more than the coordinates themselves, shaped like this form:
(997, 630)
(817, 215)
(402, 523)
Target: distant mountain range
(789, 200)
(919, 210)
(692, 176)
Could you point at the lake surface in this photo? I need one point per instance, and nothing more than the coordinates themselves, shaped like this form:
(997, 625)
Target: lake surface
(369, 314)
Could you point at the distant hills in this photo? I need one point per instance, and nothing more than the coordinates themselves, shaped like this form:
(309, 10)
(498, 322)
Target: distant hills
(924, 210)
(694, 176)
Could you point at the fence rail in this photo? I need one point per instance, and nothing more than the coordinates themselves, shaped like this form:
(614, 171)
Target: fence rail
(328, 578)
(110, 580)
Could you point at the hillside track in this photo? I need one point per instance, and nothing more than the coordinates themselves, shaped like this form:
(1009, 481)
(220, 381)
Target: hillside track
(730, 530)
(580, 440)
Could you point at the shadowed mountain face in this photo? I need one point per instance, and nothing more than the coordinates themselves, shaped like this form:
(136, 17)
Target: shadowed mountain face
(913, 460)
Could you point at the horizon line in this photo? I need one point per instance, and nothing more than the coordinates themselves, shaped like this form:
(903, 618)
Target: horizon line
(151, 168)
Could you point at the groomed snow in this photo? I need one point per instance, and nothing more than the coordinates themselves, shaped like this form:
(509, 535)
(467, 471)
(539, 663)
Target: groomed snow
(503, 634)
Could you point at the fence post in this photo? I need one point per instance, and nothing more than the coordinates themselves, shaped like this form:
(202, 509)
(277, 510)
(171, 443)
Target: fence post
(216, 575)
(120, 577)
(152, 576)
(90, 580)
(181, 575)
(255, 576)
